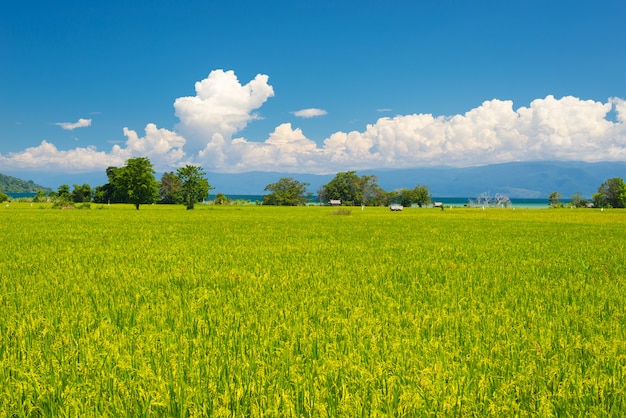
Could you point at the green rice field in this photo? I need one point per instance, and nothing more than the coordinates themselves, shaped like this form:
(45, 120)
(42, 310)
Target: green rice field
(249, 311)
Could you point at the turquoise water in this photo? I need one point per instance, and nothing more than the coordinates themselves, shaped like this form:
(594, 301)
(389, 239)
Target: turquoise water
(447, 201)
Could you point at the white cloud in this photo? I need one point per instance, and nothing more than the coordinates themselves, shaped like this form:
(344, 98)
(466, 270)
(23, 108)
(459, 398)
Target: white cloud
(549, 129)
(310, 113)
(568, 128)
(70, 126)
(163, 147)
(221, 106)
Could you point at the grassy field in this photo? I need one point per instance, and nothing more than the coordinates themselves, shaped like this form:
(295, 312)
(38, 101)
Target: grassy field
(265, 311)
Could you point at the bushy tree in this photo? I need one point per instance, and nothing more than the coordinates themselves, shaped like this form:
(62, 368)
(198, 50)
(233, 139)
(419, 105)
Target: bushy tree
(221, 199)
(3, 197)
(611, 194)
(170, 189)
(63, 193)
(577, 201)
(352, 189)
(554, 199)
(135, 182)
(419, 194)
(108, 193)
(286, 192)
(81, 193)
(194, 187)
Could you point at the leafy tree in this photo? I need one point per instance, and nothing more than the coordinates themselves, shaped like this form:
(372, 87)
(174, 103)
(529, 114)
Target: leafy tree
(422, 195)
(40, 196)
(553, 199)
(63, 193)
(611, 193)
(3, 197)
(194, 185)
(352, 189)
(285, 192)
(108, 193)
(343, 186)
(221, 199)
(170, 189)
(577, 201)
(419, 195)
(136, 183)
(81, 193)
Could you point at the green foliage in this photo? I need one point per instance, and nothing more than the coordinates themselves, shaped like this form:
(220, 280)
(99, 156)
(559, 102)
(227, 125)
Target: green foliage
(40, 197)
(4, 197)
(194, 185)
(354, 190)
(221, 199)
(135, 183)
(611, 194)
(81, 193)
(554, 201)
(577, 201)
(274, 311)
(64, 194)
(419, 195)
(10, 184)
(285, 192)
(170, 189)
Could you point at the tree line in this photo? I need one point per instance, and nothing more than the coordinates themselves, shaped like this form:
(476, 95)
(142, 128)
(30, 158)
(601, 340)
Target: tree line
(135, 183)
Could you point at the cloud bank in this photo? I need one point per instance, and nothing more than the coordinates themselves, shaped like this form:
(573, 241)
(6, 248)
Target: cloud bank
(550, 128)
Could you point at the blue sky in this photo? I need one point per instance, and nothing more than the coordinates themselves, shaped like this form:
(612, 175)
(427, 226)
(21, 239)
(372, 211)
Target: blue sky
(315, 87)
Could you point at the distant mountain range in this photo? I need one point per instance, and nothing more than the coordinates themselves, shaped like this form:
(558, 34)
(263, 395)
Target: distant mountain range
(517, 180)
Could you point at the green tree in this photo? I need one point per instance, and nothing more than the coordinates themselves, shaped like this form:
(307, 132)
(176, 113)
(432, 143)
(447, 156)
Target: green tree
(285, 192)
(108, 193)
(422, 195)
(81, 193)
(419, 194)
(352, 189)
(40, 196)
(3, 197)
(577, 201)
(170, 189)
(221, 199)
(63, 193)
(553, 199)
(194, 185)
(611, 193)
(136, 183)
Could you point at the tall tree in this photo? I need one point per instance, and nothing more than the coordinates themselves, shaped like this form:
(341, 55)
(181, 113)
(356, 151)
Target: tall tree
(194, 185)
(170, 188)
(285, 192)
(108, 193)
(64, 193)
(611, 193)
(135, 181)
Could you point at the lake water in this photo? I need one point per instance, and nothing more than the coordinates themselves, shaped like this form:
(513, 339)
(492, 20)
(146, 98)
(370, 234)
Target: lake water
(447, 201)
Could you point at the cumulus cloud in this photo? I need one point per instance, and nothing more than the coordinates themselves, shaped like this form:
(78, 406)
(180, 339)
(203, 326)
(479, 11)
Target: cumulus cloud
(494, 132)
(221, 106)
(567, 128)
(70, 126)
(310, 113)
(163, 147)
